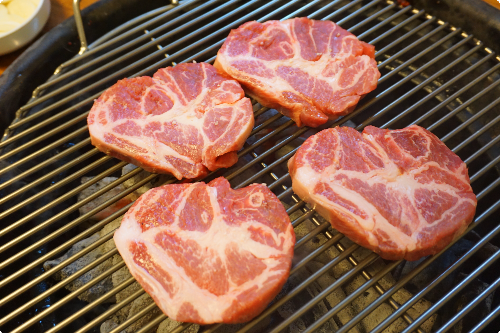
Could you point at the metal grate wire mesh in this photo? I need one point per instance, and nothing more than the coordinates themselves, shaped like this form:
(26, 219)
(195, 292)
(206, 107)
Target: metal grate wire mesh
(433, 75)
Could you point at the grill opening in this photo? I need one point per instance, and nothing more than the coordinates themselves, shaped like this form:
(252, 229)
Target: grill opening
(61, 199)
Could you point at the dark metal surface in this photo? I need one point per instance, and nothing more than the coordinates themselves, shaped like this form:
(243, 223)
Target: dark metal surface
(433, 74)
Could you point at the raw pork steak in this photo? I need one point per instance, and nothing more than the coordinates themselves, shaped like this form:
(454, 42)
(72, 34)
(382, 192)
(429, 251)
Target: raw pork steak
(310, 71)
(207, 253)
(184, 120)
(400, 193)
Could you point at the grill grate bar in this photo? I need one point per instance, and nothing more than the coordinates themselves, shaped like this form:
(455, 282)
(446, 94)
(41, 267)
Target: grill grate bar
(337, 284)
(279, 182)
(98, 301)
(268, 122)
(352, 15)
(422, 84)
(67, 298)
(129, 33)
(385, 21)
(44, 192)
(303, 8)
(56, 287)
(389, 20)
(488, 319)
(60, 231)
(485, 169)
(475, 136)
(396, 27)
(488, 189)
(325, 246)
(267, 153)
(135, 51)
(408, 62)
(446, 101)
(39, 152)
(440, 89)
(45, 163)
(430, 20)
(260, 111)
(295, 207)
(55, 218)
(48, 176)
(279, 161)
(103, 316)
(46, 135)
(328, 6)
(53, 203)
(43, 123)
(345, 302)
(147, 328)
(453, 292)
(425, 263)
(473, 118)
(319, 229)
(374, 16)
(266, 137)
(55, 269)
(134, 318)
(430, 79)
(304, 217)
(132, 43)
(397, 69)
(491, 288)
(464, 105)
(126, 27)
(299, 288)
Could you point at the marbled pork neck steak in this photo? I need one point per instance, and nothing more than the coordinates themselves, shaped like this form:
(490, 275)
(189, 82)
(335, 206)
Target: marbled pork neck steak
(309, 70)
(401, 193)
(184, 120)
(207, 253)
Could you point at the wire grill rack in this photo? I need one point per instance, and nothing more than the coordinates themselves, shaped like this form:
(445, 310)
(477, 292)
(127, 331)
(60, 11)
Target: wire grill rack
(433, 74)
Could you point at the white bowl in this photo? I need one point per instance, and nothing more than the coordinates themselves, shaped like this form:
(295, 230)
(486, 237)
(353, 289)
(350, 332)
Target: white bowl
(22, 35)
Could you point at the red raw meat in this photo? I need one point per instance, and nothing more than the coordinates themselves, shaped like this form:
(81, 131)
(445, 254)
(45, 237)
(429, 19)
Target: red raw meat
(401, 193)
(310, 71)
(207, 253)
(184, 120)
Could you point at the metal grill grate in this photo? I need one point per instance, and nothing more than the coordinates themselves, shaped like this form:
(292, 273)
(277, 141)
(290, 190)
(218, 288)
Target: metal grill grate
(433, 74)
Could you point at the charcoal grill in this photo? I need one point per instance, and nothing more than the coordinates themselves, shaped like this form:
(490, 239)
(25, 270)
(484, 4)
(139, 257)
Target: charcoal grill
(433, 74)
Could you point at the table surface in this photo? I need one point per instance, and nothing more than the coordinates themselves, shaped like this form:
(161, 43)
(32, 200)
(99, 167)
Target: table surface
(62, 9)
